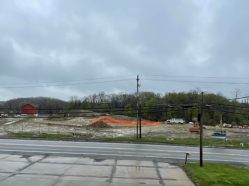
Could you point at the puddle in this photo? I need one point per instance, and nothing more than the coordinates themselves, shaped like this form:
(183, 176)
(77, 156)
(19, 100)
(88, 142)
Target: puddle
(98, 160)
(26, 156)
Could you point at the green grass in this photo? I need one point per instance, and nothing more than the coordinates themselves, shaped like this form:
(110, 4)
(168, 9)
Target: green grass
(42, 135)
(212, 174)
(55, 136)
(21, 134)
(190, 141)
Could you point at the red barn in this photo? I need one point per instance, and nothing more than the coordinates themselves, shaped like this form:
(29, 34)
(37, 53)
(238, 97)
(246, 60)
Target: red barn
(29, 109)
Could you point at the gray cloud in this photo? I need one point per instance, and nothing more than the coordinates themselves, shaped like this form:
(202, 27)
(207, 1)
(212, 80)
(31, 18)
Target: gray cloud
(71, 40)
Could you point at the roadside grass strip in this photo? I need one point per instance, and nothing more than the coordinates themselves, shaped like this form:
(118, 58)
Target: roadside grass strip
(55, 136)
(21, 134)
(217, 174)
(188, 141)
(41, 135)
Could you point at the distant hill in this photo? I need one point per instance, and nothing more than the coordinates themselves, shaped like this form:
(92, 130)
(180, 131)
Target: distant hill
(41, 102)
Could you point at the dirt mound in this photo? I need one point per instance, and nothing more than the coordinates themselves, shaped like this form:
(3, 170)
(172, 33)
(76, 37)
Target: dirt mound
(99, 124)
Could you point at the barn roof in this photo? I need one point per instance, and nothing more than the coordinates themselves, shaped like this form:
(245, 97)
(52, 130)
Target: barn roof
(33, 105)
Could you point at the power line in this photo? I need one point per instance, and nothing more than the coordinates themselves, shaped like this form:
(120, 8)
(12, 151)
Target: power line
(225, 105)
(64, 81)
(239, 98)
(109, 111)
(69, 84)
(200, 77)
(158, 106)
(195, 81)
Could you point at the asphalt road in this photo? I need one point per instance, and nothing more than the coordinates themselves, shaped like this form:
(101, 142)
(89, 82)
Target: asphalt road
(122, 150)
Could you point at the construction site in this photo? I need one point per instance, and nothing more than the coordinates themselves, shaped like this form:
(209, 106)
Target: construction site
(92, 125)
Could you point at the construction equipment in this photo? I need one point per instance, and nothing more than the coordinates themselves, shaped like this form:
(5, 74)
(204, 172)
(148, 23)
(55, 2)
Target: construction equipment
(220, 125)
(195, 128)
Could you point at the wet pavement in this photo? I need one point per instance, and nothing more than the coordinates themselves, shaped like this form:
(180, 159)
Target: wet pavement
(45, 170)
(125, 150)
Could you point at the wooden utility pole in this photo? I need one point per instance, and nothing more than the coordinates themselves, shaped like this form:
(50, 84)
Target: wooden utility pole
(201, 132)
(137, 103)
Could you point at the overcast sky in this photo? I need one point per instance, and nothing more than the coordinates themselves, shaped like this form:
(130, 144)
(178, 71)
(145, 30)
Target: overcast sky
(66, 40)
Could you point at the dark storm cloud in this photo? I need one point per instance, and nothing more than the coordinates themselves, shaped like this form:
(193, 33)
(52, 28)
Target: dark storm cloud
(71, 40)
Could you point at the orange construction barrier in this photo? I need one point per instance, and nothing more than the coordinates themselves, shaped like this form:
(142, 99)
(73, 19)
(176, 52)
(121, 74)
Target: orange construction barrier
(108, 119)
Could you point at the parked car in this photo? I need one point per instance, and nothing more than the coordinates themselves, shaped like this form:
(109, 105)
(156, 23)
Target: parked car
(190, 123)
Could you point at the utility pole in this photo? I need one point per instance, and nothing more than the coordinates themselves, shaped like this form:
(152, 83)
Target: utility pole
(137, 103)
(201, 132)
(140, 118)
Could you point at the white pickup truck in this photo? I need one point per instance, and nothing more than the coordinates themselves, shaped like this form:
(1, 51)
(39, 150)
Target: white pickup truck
(176, 120)
(227, 125)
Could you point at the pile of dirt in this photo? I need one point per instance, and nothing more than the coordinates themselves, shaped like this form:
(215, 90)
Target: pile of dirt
(99, 124)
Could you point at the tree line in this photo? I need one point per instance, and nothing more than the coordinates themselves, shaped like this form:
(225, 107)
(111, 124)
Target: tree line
(160, 107)
(155, 106)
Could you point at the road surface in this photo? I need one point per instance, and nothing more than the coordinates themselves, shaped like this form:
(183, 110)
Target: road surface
(122, 150)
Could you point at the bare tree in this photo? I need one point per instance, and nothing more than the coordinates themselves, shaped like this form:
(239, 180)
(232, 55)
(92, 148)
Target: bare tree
(247, 98)
(236, 93)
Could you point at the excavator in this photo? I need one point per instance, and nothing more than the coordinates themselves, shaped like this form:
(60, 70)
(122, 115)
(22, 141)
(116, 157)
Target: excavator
(196, 127)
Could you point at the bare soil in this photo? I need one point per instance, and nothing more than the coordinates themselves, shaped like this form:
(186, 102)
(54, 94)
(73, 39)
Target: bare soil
(80, 126)
(99, 124)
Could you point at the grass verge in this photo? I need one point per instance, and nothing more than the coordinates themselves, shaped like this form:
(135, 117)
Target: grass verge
(41, 135)
(217, 174)
(21, 134)
(190, 141)
(55, 136)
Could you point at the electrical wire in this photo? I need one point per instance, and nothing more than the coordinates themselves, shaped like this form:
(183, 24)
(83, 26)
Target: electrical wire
(69, 84)
(65, 81)
(200, 77)
(239, 98)
(108, 111)
(83, 108)
(195, 81)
